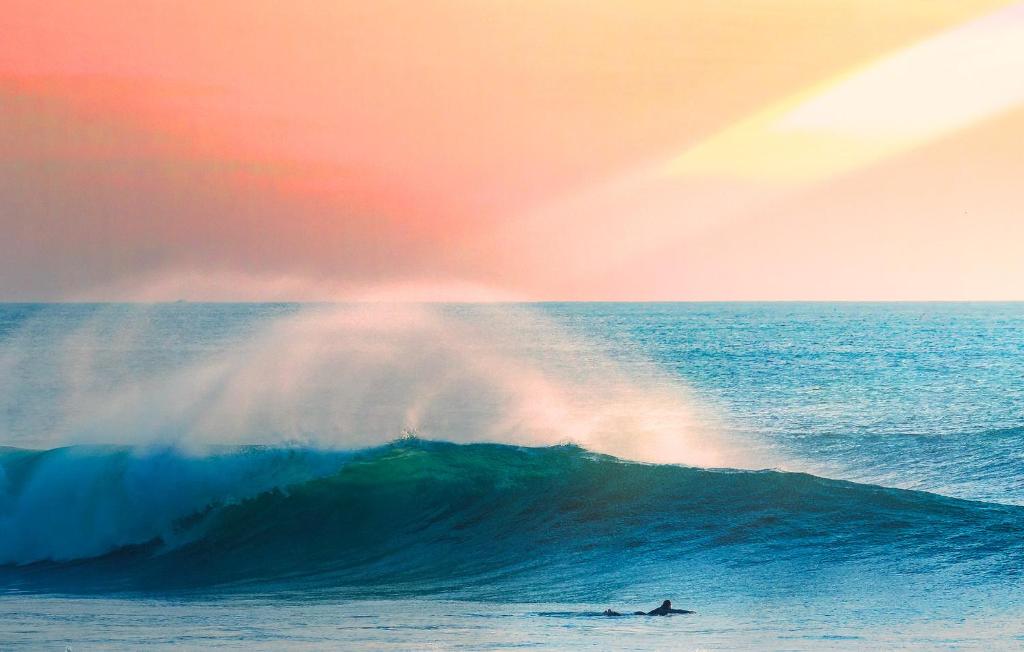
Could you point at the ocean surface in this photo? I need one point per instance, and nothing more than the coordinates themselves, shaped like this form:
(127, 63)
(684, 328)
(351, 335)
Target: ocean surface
(277, 476)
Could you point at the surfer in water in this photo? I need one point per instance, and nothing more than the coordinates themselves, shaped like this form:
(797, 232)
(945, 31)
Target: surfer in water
(664, 610)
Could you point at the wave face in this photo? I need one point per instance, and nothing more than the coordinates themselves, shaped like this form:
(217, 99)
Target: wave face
(474, 520)
(83, 501)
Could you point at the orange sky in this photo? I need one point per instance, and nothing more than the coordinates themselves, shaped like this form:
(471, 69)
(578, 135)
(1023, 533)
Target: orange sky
(792, 149)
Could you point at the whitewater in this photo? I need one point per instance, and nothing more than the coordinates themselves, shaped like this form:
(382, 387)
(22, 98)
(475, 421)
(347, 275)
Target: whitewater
(805, 476)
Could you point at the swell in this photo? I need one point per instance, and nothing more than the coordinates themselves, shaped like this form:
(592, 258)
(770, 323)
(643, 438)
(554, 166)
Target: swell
(488, 520)
(982, 465)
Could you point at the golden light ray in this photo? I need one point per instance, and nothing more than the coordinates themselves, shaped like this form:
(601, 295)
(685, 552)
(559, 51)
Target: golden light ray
(948, 82)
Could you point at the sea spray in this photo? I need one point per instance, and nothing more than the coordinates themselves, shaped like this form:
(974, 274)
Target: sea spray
(344, 376)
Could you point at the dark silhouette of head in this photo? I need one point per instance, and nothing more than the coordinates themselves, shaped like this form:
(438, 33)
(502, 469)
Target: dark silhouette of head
(667, 604)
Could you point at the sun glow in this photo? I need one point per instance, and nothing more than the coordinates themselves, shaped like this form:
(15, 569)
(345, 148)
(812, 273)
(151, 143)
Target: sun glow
(948, 82)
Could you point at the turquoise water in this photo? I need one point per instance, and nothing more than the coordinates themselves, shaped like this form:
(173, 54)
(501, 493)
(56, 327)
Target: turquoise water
(877, 499)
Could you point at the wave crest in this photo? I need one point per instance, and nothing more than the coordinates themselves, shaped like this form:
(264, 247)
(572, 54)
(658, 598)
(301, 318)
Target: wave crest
(493, 520)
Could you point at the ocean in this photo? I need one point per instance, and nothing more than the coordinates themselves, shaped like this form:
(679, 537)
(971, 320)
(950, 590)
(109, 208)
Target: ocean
(804, 476)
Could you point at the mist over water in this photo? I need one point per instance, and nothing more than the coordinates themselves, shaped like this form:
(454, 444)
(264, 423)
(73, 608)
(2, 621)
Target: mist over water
(339, 376)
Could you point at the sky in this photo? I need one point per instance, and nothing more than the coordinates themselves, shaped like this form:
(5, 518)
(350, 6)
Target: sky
(530, 149)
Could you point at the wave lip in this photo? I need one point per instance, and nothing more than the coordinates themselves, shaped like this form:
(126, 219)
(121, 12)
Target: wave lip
(83, 501)
(422, 517)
